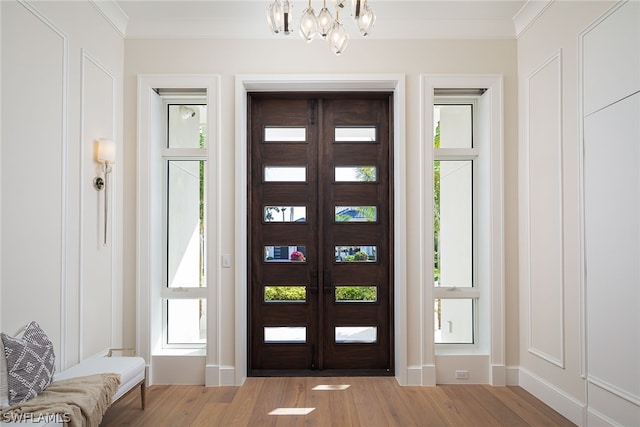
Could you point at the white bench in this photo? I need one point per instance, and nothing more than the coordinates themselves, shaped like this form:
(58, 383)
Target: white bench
(130, 368)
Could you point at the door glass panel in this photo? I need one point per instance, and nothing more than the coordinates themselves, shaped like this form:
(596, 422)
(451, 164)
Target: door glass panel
(285, 334)
(186, 237)
(355, 134)
(285, 174)
(186, 321)
(453, 321)
(356, 334)
(355, 253)
(285, 134)
(356, 293)
(356, 174)
(453, 126)
(187, 126)
(453, 224)
(285, 294)
(356, 214)
(285, 253)
(285, 214)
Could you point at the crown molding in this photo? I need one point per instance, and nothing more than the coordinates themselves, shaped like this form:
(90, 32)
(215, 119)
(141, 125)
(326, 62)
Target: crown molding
(112, 12)
(528, 14)
(226, 23)
(389, 30)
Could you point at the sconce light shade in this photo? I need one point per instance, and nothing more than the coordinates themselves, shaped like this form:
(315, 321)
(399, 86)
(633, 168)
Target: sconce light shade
(106, 152)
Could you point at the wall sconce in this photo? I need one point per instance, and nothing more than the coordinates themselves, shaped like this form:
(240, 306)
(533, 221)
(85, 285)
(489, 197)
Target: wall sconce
(105, 154)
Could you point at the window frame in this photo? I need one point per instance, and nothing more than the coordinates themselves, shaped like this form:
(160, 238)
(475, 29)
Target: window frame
(474, 293)
(180, 154)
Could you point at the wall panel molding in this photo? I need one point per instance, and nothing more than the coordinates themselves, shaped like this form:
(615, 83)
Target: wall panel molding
(544, 267)
(609, 103)
(64, 138)
(617, 391)
(87, 139)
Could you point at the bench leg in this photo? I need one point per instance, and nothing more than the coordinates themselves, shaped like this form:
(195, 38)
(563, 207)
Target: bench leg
(143, 392)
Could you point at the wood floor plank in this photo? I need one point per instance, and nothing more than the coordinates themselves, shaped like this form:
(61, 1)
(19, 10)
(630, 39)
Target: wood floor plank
(498, 409)
(394, 407)
(421, 408)
(222, 394)
(320, 400)
(447, 406)
(293, 397)
(521, 406)
(367, 405)
(332, 407)
(241, 407)
(556, 418)
(211, 414)
(266, 403)
(466, 401)
(367, 402)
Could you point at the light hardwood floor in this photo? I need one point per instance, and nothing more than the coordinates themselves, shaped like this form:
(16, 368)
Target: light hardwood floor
(367, 402)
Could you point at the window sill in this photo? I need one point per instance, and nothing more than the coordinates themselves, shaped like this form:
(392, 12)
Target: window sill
(459, 350)
(180, 352)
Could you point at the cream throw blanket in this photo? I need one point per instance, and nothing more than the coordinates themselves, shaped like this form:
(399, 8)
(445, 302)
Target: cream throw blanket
(83, 400)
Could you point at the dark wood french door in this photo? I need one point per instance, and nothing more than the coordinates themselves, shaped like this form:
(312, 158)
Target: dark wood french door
(320, 245)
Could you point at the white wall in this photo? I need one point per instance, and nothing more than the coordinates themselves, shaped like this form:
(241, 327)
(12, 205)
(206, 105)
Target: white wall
(61, 90)
(227, 58)
(552, 331)
(610, 73)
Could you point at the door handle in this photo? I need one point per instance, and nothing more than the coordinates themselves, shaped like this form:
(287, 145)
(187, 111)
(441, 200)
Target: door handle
(327, 286)
(313, 283)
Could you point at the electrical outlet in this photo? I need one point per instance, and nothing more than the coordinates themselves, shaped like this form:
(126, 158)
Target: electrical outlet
(462, 375)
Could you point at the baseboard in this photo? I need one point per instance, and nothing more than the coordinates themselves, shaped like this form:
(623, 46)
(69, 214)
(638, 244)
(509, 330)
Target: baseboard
(421, 375)
(513, 376)
(498, 375)
(228, 376)
(567, 405)
(178, 369)
(218, 376)
(212, 376)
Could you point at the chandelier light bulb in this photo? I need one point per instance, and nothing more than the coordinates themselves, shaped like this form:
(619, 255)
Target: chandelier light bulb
(325, 21)
(274, 17)
(366, 21)
(338, 37)
(308, 24)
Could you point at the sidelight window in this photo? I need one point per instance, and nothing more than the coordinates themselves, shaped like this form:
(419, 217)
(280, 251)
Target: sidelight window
(455, 233)
(185, 274)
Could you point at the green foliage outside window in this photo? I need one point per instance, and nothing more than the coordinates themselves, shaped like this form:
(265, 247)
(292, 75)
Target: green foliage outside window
(299, 293)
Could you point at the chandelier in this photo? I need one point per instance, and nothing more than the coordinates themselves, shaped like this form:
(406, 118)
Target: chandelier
(323, 25)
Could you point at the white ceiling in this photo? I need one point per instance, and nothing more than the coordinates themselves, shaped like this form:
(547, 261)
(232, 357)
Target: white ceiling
(396, 19)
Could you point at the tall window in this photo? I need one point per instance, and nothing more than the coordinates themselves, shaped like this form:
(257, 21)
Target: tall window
(456, 291)
(184, 290)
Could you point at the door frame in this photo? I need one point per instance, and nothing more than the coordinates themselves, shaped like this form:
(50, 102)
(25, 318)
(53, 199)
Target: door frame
(322, 83)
